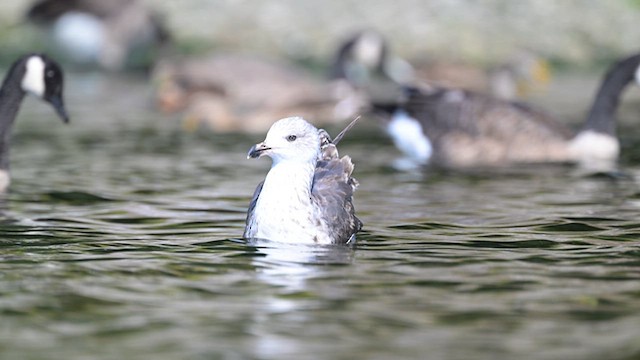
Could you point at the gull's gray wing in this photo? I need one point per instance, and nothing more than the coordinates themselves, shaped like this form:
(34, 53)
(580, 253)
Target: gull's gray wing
(248, 230)
(332, 192)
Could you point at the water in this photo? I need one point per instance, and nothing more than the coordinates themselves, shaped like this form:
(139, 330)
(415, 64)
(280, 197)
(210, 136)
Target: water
(121, 239)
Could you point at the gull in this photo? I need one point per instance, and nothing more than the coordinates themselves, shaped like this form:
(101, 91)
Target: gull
(307, 195)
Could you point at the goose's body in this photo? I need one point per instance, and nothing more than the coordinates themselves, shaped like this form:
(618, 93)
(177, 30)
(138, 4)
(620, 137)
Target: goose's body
(31, 74)
(307, 195)
(112, 34)
(466, 129)
(244, 94)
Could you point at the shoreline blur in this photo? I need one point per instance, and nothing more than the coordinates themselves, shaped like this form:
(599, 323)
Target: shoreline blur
(483, 33)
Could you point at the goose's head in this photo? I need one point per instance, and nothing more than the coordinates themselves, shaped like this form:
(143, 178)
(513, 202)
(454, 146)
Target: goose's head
(365, 57)
(369, 49)
(44, 79)
(361, 55)
(289, 139)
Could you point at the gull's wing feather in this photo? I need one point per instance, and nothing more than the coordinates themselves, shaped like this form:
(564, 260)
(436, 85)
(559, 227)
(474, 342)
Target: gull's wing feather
(332, 191)
(344, 131)
(248, 231)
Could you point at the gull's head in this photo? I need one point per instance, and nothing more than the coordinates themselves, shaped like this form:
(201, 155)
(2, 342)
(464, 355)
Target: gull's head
(290, 139)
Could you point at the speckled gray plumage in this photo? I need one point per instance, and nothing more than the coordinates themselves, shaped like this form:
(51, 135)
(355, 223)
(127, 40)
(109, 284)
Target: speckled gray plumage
(332, 191)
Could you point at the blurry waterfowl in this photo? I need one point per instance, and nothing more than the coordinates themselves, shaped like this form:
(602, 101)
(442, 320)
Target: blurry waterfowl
(34, 74)
(113, 34)
(462, 129)
(517, 77)
(307, 195)
(364, 60)
(242, 93)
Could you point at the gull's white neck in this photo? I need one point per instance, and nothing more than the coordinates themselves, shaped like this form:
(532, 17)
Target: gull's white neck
(284, 207)
(288, 180)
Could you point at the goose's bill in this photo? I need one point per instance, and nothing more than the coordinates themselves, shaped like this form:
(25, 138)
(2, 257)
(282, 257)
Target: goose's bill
(258, 150)
(58, 105)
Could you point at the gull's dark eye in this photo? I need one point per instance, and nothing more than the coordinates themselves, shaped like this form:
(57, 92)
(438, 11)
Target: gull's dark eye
(291, 138)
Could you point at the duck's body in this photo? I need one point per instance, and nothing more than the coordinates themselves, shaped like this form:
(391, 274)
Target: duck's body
(244, 93)
(35, 74)
(112, 34)
(307, 195)
(515, 78)
(466, 129)
(365, 61)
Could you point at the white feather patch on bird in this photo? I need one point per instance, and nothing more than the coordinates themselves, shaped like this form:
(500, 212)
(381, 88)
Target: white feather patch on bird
(33, 80)
(590, 145)
(5, 180)
(369, 49)
(406, 133)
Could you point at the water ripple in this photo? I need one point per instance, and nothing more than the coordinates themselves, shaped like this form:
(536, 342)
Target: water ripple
(130, 248)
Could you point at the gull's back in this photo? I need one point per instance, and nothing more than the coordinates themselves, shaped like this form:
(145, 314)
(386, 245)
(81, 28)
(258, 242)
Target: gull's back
(332, 193)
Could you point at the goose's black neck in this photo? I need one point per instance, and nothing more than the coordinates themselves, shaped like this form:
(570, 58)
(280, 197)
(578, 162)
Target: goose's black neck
(338, 70)
(601, 116)
(11, 95)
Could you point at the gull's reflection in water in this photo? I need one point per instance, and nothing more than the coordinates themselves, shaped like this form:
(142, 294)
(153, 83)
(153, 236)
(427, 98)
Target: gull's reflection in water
(291, 265)
(291, 270)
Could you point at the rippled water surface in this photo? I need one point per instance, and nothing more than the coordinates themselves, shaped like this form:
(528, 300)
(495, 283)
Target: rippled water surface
(121, 240)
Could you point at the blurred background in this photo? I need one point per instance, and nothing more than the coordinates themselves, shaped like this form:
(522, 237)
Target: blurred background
(576, 32)
(454, 43)
(121, 234)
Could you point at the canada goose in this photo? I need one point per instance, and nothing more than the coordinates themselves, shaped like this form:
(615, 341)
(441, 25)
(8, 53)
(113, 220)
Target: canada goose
(110, 33)
(462, 129)
(35, 74)
(242, 93)
(307, 196)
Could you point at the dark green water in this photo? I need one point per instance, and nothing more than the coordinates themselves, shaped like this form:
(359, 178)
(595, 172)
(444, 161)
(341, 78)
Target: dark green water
(121, 241)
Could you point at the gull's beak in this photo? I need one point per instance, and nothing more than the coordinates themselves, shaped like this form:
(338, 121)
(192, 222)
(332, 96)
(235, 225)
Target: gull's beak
(257, 150)
(58, 104)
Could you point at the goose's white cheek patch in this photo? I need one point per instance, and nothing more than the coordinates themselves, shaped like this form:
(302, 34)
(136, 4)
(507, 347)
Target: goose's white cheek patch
(33, 80)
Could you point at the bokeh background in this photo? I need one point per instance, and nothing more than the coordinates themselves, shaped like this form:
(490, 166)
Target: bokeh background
(121, 238)
(576, 32)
